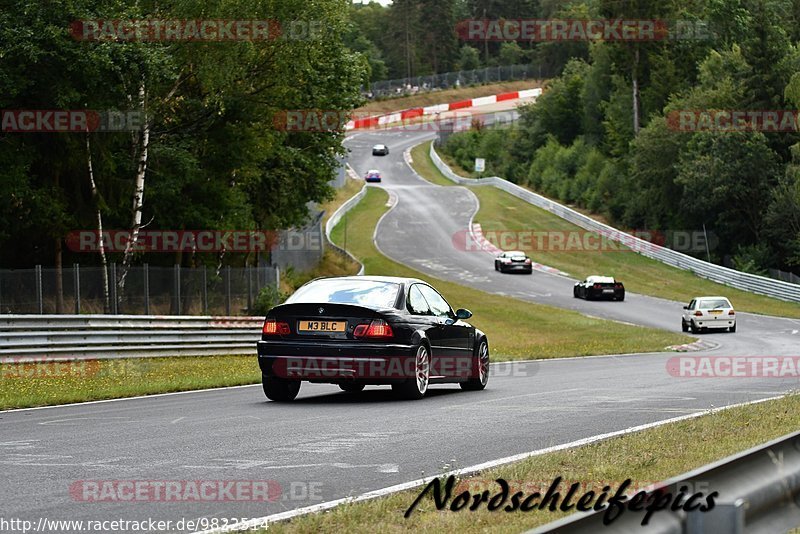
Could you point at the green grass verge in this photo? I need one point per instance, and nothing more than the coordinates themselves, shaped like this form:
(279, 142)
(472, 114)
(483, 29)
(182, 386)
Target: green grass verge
(645, 457)
(502, 212)
(41, 384)
(516, 329)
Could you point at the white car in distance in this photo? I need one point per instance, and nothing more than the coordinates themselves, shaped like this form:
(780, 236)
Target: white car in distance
(708, 313)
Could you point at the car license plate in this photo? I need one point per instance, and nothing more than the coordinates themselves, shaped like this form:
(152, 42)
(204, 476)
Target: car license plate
(716, 312)
(322, 326)
(608, 291)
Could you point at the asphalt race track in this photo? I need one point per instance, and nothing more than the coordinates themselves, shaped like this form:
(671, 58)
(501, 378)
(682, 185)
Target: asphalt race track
(328, 444)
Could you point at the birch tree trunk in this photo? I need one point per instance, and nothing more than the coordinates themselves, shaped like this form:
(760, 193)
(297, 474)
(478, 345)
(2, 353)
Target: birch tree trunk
(138, 190)
(636, 125)
(101, 241)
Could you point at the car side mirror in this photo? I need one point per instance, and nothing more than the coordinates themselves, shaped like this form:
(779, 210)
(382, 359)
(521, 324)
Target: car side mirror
(463, 314)
(686, 307)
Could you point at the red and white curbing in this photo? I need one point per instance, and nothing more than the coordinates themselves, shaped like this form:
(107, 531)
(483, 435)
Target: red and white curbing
(697, 346)
(413, 113)
(477, 236)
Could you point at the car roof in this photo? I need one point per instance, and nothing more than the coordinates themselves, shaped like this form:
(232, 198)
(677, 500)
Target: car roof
(373, 171)
(710, 298)
(379, 145)
(388, 279)
(600, 279)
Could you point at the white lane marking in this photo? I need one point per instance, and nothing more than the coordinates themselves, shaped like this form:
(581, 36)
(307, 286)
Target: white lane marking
(177, 420)
(20, 445)
(282, 516)
(499, 399)
(104, 401)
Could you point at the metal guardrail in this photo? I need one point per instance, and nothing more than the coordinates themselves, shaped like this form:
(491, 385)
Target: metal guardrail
(717, 273)
(759, 491)
(337, 217)
(34, 338)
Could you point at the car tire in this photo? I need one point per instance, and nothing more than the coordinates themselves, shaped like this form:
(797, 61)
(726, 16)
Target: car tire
(280, 389)
(684, 326)
(622, 298)
(416, 388)
(574, 292)
(352, 387)
(481, 368)
(695, 328)
(732, 329)
(496, 268)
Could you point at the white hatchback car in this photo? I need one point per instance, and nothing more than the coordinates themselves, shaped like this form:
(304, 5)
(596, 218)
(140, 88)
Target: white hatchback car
(704, 313)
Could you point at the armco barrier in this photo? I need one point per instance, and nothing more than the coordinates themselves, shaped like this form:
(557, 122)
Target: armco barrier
(88, 337)
(723, 275)
(757, 492)
(336, 217)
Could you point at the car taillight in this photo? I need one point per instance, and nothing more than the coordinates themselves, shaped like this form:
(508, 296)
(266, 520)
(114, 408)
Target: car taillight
(597, 286)
(377, 329)
(274, 328)
(698, 314)
(731, 312)
(527, 261)
(618, 286)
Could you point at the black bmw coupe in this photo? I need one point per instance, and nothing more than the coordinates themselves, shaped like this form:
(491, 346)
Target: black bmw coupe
(358, 331)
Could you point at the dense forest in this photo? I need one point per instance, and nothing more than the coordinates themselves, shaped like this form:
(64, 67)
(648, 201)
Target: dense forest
(204, 153)
(418, 37)
(604, 136)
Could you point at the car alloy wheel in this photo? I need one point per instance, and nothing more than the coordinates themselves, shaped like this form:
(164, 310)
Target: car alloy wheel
(482, 367)
(416, 387)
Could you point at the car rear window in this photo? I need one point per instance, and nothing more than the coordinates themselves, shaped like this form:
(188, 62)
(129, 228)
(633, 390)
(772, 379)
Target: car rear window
(711, 304)
(368, 293)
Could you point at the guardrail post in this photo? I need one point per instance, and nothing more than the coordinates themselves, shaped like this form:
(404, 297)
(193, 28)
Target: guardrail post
(278, 278)
(725, 517)
(146, 275)
(177, 288)
(248, 270)
(76, 283)
(39, 301)
(113, 288)
(205, 290)
(228, 290)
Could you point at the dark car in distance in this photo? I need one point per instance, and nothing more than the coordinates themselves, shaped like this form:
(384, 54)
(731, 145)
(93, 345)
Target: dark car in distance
(373, 176)
(599, 287)
(380, 150)
(358, 331)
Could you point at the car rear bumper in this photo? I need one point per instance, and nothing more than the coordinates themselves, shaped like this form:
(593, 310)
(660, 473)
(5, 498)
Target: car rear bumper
(596, 294)
(516, 268)
(337, 362)
(716, 324)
